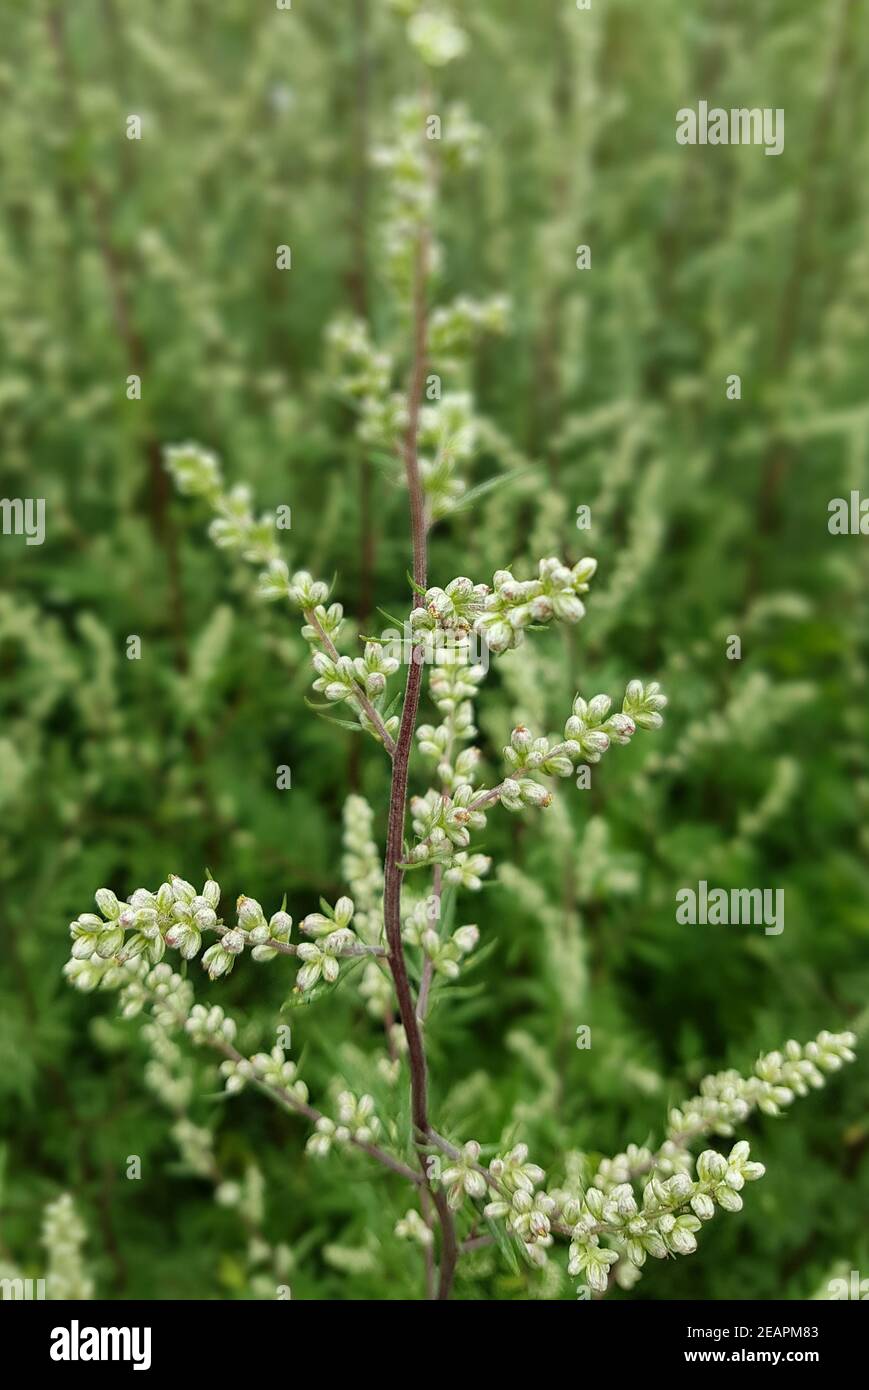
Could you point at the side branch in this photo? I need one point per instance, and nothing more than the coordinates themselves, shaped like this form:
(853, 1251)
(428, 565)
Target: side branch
(329, 647)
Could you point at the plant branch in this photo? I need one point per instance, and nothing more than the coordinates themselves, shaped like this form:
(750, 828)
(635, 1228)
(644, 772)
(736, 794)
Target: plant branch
(329, 647)
(393, 873)
(287, 948)
(300, 1107)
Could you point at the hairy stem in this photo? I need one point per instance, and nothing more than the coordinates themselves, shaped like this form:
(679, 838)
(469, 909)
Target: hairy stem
(393, 874)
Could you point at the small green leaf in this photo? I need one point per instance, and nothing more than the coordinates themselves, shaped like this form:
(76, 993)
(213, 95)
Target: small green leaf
(390, 617)
(502, 480)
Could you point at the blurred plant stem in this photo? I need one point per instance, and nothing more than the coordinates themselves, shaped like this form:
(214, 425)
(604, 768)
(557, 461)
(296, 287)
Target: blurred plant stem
(132, 342)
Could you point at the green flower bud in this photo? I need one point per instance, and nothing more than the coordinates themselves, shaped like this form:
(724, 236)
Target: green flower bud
(108, 904)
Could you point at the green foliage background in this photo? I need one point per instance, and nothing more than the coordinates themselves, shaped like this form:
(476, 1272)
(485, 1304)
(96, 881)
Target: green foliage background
(709, 518)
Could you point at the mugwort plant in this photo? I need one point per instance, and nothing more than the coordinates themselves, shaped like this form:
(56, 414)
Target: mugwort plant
(391, 922)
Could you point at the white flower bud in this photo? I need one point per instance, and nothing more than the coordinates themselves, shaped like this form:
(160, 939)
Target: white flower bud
(683, 1242)
(533, 794)
(568, 607)
(703, 1206)
(598, 708)
(466, 938)
(344, 909)
(108, 904)
(110, 942)
(182, 891)
(727, 1198)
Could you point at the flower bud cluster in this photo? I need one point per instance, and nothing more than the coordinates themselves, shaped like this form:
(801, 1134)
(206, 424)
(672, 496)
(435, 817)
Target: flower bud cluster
(236, 528)
(176, 915)
(358, 680)
(104, 936)
(341, 678)
(436, 37)
(300, 588)
(452, 611)
(528, 754)
(528, 1214)
(363, 869)
(467, 870)
(409, 196)
(727, 1098)
(455, 327)
(167, 995)
(356, 1120)
(452, 685)
(666, 1220)
(642, 704)
(437, 742)
(465, 1177)
(197, 473)
(210, 1025)
(447, 439)
(443, 824)
(167, 1072)
(335, 937)
(195, 1146)
(591, 727)
(252, 930)
(516, 793)
(412, 1227)
(514, 604)
(354, 364)
(376, 989)
(63, 1236)
(267, 1069)
(418, 930)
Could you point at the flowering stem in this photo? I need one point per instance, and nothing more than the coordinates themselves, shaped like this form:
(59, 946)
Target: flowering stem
(329, 647)
(414, 398)
(287, 948)
(300, 1107)
(393, 873)
(485, 798)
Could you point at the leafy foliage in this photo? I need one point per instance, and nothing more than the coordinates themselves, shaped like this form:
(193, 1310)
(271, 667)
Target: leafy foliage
(601, 389)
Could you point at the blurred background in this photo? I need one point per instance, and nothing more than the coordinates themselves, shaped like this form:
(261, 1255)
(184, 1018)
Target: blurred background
(709, 519)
